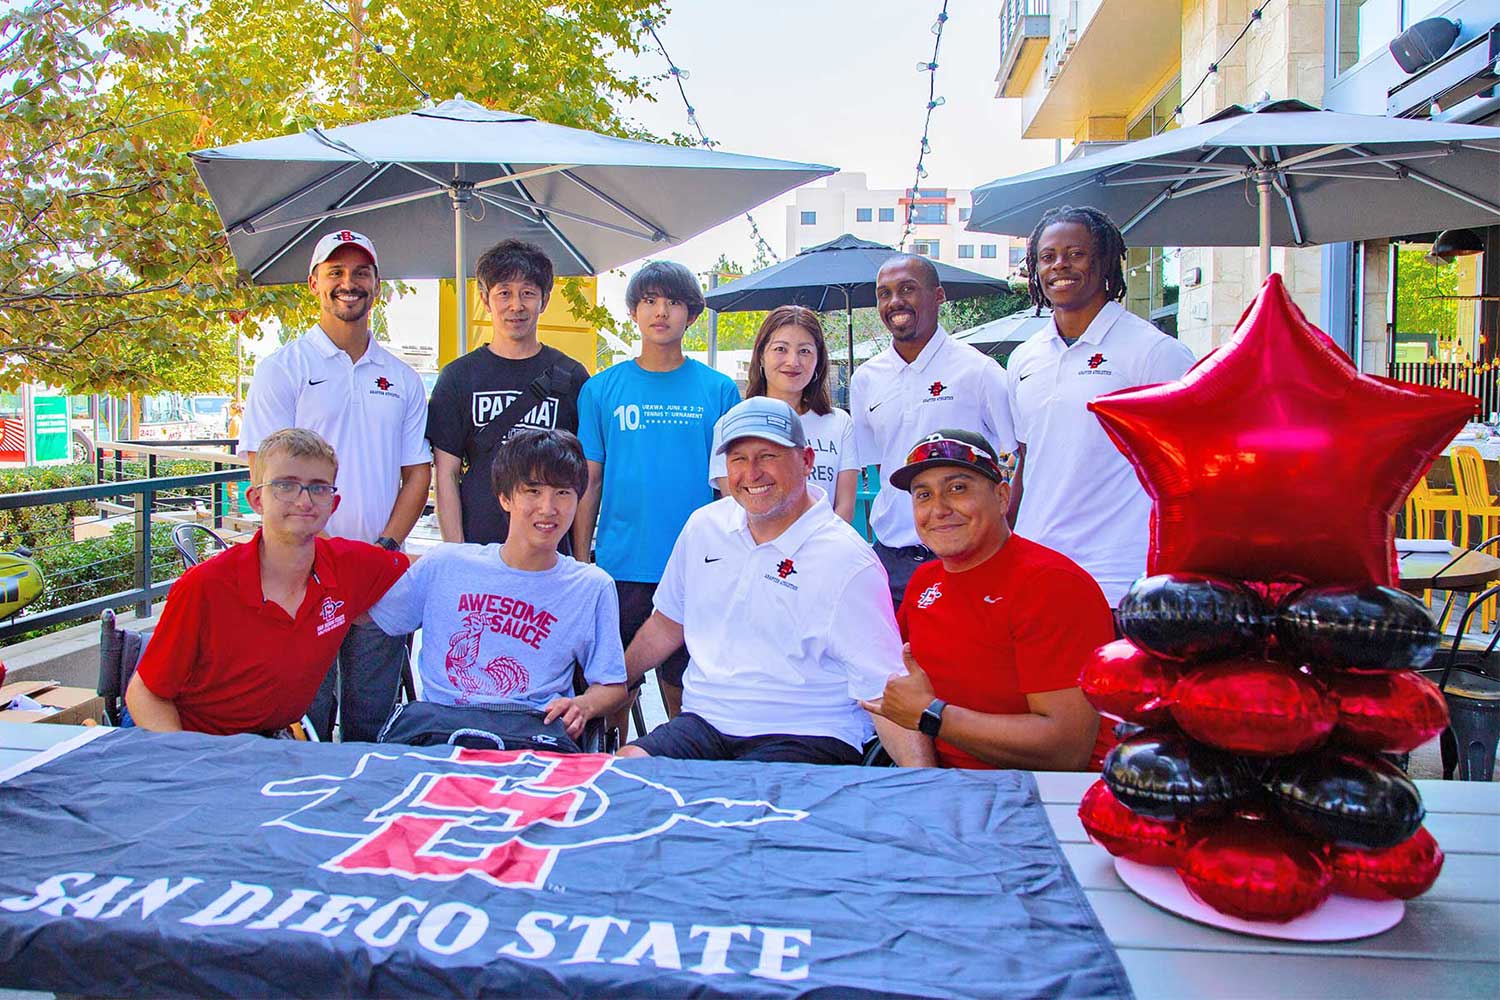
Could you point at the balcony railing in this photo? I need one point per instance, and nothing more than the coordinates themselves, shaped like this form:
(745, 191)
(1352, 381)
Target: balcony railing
(1483, 385)
(1064, 37)
(1024, 25)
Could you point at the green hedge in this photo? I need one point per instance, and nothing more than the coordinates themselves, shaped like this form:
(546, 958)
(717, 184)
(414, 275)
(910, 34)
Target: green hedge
(38, 527)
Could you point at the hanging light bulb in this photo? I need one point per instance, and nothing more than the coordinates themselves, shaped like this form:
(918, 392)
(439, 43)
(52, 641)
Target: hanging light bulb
(926, 67)
(936, 102)
(937, 26)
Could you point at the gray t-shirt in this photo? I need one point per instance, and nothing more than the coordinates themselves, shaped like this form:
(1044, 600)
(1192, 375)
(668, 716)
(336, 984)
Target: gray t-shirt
(495, 635)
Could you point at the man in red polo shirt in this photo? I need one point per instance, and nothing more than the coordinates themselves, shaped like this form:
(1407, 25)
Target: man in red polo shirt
(997, 627)
(247, 636)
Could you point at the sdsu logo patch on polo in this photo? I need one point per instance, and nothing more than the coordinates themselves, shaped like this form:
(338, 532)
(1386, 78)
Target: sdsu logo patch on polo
(384, 387)
(331, 614)
(938, 390)
(1095, 364)
(504, 817)
(930, 595)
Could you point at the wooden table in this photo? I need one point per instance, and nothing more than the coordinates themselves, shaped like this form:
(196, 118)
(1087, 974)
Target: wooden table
(1456, 569)
(1447, 946)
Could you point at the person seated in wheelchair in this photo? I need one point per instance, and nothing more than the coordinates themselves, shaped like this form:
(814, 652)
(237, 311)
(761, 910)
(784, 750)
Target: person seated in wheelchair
(247, 635)
(504, 624)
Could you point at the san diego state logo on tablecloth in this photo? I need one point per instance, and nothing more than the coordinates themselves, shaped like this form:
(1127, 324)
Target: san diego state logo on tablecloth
(500, 816)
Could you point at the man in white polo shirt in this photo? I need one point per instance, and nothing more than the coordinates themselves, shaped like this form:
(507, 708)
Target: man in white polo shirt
(924, 381)
(338, 381)
(1081, 497)
(784, 612)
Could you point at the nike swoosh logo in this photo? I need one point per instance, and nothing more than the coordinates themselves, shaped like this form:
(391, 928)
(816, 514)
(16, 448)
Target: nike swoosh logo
(992, 600)
(714, 559)
(318, 382)
(1025, 377)
(873, 405)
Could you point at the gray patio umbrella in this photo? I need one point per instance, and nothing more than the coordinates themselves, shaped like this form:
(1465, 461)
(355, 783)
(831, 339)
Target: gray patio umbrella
(839, 272)
(436, 186)
(1281, 173)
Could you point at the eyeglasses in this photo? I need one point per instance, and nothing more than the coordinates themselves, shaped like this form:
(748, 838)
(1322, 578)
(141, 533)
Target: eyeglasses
(956, 451)
(289, 490)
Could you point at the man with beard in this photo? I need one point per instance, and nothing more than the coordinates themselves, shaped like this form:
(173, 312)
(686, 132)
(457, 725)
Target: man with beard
(924, 381)
(337, 381)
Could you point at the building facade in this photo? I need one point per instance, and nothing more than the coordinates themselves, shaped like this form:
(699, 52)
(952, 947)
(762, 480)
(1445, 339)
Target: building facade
(1108, 71)
(845, 203)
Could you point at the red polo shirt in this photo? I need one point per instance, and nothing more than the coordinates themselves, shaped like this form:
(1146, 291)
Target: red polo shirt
(1022, 622)
(234, 662)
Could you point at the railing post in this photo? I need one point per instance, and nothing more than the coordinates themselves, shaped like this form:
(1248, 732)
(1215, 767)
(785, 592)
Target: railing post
(219, 493)
(143, 552)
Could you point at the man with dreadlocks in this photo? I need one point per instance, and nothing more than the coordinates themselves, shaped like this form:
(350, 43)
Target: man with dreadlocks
(1081, 496)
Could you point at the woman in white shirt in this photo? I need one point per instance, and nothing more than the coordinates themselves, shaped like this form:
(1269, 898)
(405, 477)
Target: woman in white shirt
(789, 362)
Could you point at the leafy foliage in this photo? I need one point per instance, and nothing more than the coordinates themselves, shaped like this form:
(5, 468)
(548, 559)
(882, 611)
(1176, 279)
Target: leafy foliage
(113, 273)
(41, 526)
(1417, 281)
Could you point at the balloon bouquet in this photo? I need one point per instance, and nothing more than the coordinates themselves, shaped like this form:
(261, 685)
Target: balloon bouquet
(1268, 660)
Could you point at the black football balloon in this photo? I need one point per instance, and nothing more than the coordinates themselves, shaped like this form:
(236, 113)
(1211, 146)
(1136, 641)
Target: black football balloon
(1168, 777)
(1367, 628)
(1347, 797)
(1192, 618)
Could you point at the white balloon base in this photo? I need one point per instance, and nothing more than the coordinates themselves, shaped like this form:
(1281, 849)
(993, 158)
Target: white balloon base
(1338, 918)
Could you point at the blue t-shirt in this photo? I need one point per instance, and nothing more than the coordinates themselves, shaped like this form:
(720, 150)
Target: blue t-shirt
(652, 431)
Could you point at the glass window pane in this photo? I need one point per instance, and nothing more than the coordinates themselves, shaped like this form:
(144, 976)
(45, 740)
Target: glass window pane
(809, 218)
(965, 250)
(862, 215)
(887, 215)
(1379, 22)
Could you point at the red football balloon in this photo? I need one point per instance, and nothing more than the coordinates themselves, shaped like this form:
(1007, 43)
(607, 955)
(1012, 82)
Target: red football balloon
(1254, 707)
(1256, 871)
(1399, 872)
(1128, 683)
(1386, 712)
(1275, 459)
(1126, 835)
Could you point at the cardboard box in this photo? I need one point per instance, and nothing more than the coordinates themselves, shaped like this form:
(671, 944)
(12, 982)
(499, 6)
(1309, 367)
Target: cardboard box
(78, 706)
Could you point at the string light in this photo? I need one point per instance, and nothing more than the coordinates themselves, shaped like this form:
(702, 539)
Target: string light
(380, 50)
(933, 103)
(1213, 67)
(678, 75)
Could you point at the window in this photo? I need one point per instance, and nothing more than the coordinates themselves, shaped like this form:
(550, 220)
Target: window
(927, 248)
(809, 218)
(1152, 282)
(963, 214)
(887, 215)
(1367, 26)
(1017, 256)
(965, 251)
(987, 251)
(863, 215)
(1160, 117)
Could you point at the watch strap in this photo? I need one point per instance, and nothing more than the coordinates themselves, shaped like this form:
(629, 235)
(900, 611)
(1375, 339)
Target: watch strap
(931, 719)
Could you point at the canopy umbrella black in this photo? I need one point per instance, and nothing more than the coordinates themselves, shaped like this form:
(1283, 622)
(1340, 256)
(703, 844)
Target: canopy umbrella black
(1280, 173)
(840, 272)
(433, 187)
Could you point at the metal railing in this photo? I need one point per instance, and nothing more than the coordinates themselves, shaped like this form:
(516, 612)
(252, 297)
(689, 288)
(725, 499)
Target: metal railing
(1013, 15)
(1483, 385)
(145, 506)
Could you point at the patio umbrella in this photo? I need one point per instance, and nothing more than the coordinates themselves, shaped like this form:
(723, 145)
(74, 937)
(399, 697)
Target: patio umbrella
(839, 272)
(436, 186)
(1281, 173)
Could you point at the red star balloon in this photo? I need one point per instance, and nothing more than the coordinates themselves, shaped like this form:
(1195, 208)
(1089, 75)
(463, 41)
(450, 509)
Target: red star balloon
(1274, 458)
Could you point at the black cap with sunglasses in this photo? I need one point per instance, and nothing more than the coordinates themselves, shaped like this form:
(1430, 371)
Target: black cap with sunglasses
(965, 449)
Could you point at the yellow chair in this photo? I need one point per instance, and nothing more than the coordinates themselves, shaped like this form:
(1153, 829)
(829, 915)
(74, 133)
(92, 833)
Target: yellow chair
(1474, 495)
(1423, 505)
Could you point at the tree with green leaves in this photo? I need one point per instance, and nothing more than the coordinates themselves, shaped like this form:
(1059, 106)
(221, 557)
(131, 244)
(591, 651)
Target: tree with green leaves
(114, 274)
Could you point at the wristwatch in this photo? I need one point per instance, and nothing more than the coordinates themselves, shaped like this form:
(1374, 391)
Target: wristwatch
(931, 719)
(387, 543)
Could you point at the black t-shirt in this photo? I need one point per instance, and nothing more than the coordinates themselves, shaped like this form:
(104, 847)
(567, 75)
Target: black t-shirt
(475, 389)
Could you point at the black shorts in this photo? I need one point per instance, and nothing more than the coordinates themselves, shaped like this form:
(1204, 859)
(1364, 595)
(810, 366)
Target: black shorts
(479, 727)
(635, 608)
(689, 737)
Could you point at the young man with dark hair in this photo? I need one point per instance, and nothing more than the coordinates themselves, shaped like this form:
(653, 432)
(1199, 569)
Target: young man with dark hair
(997, 627)
(247, 635)
(1081, 497)
(647, 426)
(513, 381)
(503, 625)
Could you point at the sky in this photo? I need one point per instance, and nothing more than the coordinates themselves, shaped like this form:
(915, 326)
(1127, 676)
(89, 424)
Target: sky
(822, 81)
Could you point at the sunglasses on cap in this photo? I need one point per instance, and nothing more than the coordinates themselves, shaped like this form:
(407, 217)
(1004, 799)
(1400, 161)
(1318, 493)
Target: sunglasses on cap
(948, 449)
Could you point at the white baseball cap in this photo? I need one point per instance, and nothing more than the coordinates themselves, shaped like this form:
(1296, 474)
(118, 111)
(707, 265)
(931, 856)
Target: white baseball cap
(328, 244)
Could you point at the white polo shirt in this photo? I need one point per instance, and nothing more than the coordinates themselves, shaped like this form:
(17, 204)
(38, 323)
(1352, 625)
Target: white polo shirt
(895, 405)
(373, 412)
(782, 637)
(1080, 495)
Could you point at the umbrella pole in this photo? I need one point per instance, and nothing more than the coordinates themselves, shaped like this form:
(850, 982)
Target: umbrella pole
(849, 316)
(1263, 189)
(460, 195)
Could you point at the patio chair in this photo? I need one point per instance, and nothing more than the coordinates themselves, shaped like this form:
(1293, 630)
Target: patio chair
(1473, 698)
(1474, 494)
(194, 542)
(1423, 505)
